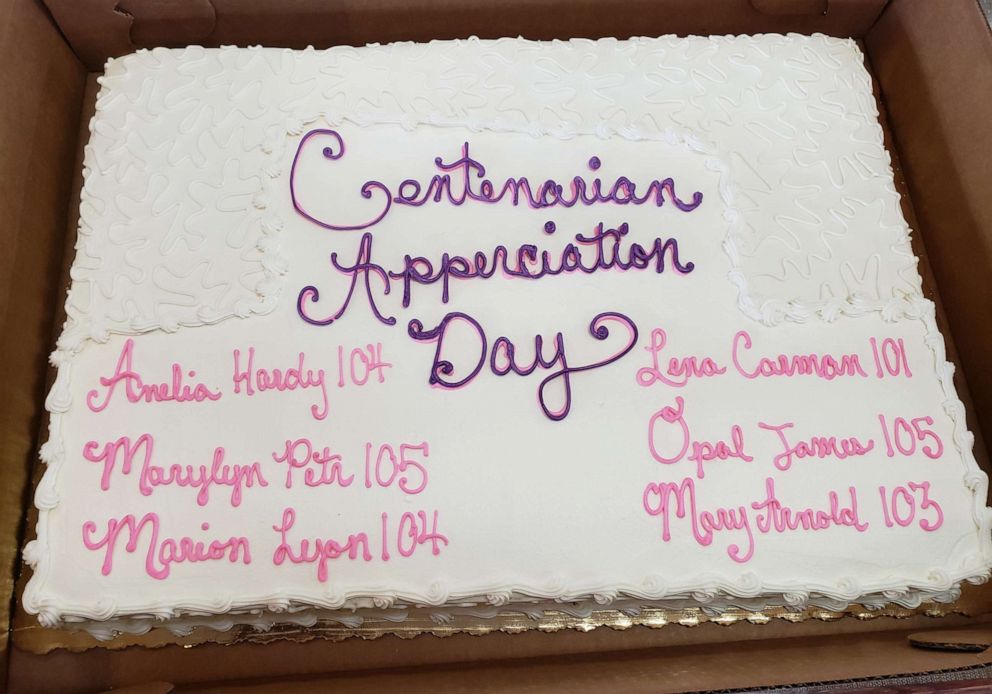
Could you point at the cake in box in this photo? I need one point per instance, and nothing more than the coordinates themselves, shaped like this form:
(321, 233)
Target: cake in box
(477, 327)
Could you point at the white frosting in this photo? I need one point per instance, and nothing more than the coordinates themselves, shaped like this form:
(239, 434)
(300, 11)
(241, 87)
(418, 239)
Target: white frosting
(186, 220)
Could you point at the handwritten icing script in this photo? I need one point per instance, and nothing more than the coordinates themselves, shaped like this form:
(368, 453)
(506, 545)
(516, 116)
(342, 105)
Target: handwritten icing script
(463, 181)
(684, 456)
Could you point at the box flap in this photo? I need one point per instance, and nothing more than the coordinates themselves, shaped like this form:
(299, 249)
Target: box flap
(787, 7)
(933, 63)
(161, 22)
(97, 29)
(42, 85)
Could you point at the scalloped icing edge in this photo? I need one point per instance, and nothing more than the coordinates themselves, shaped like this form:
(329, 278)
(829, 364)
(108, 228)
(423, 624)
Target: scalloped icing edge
(713, 593)
(535, 612)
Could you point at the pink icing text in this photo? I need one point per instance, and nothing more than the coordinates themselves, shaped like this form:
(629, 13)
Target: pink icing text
(825, 366)
(136, 390)
(413, 530)
(770, 515)
(407, 471)
(679, 371)
(237, 477)
(320, 467)
(700, 452)
(296, 377)
(815, 447)
(161, 554)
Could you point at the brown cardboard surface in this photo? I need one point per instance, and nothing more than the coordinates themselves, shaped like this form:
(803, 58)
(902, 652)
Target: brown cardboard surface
(520, 662)
(933, 61)
(707, 656)
(677, 669)
(64, 671)
(42, 85)
(100, 28)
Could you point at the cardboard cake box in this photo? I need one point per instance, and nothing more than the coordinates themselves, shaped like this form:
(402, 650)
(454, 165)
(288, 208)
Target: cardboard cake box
(932, 63)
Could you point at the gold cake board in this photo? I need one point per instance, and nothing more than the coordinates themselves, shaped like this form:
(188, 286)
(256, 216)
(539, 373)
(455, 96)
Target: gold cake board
(28, 635)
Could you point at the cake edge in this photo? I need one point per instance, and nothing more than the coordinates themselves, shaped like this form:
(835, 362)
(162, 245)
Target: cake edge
(938, 585)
